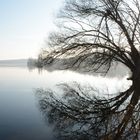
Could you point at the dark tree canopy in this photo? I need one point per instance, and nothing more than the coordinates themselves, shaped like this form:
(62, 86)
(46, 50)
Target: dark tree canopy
(104, 32)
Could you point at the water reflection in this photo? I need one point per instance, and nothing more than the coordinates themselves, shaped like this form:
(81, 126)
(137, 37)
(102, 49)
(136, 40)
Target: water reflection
(77, 110)
(20, 118)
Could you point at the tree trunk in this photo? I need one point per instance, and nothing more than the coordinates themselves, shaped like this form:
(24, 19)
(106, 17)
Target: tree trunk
(129, 111)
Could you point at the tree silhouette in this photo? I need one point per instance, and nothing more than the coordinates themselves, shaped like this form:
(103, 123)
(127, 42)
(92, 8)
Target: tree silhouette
(104, 32)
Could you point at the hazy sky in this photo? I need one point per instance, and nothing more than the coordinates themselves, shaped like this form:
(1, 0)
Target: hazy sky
(24, 26)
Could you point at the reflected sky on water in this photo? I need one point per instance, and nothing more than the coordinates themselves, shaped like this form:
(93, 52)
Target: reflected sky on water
(20, 118)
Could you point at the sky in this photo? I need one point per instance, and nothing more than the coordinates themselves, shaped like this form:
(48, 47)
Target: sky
(25, 25)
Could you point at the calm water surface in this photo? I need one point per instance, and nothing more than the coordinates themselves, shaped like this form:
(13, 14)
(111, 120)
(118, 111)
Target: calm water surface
(20, 118)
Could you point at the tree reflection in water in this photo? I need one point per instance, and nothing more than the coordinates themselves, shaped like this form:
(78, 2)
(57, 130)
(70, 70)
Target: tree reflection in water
(81, 114)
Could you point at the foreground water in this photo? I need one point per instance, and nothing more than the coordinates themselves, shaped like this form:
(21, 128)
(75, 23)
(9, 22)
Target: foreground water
(20, 118)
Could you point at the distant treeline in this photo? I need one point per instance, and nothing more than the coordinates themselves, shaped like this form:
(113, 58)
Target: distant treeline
(13, 63)
(50, 63)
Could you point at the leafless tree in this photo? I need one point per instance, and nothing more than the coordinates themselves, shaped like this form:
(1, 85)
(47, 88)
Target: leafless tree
(107, 31)
(83, 113)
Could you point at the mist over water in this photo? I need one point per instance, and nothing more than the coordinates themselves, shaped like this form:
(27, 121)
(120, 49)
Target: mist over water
(20, 117)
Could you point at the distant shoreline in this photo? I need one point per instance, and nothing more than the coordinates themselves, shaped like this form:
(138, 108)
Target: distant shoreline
(13, 63)
(13, 59)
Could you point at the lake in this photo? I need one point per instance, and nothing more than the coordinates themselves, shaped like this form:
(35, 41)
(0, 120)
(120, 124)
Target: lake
(20, 117)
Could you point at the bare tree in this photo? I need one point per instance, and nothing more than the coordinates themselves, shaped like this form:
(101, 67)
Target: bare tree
(83, 113)
(107, 31)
